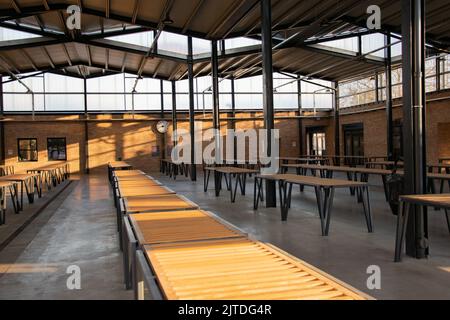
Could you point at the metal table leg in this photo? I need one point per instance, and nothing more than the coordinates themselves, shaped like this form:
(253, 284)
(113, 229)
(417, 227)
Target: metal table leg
(366, 206)
(402, 220)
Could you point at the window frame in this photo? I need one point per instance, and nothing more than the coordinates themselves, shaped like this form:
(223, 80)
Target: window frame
(65, 148)
(19, 149)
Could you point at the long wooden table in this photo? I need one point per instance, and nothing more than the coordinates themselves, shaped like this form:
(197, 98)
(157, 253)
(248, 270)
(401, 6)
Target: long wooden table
(384, 164)
(53, 174)
(441, 201)
(324, 188)
(173, 169)
(116, 166)
(12, 187)
(233, 269)
(29, 184)
(6, 170)
(228, 173)
(170, 227)
(353, 173)
(156, 203)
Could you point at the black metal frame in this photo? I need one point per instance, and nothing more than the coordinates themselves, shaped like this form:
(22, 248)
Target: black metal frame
(324, 198)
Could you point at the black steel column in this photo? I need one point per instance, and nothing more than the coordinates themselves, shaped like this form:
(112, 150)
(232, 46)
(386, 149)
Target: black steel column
(191, 109)
(266, 35)
(215, 98)
(174, 113)
(163, 137)
(2, 127)
(86, 128)
(389, 117)
(337, 125)
(233, 121)
(413, 41)
(301, 149)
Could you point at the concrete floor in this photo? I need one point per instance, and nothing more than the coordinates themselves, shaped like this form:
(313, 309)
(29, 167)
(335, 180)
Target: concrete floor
(79, 229)
(349, 250)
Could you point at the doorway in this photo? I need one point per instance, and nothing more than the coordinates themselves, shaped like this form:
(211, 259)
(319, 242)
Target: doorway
(316, 141)
(354, 143)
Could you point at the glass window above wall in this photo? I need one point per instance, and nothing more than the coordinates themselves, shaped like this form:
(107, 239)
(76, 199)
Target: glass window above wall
(58, 83)
(173, 42)
(240, 42)
(114, 83)
(8, 34)
(144, 39)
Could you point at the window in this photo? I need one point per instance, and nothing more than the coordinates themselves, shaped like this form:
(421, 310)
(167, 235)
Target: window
(56, 148)
(28, 150)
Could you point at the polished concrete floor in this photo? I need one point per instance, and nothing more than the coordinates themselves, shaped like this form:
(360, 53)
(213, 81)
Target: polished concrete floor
(79, 229)
(349, 250)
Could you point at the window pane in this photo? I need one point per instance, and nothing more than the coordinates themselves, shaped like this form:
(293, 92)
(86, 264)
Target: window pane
(56, 148)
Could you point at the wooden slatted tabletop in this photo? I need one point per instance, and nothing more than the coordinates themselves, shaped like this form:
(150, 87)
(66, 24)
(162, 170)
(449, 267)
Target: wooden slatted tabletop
(119, 165)
(235, 170)
(171, 202)
(239, 269)
(147, 189)
(439, 176)
(5, 184)
(49, 167)
(19, 177)
(132, 177)
(437, 200)
(313, 181)
(180, 226)
(320, 182)
(127, 173)
(137, 183)
(339, 169)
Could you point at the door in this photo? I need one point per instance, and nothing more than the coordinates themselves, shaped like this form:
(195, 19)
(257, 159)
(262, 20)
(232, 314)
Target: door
(316, 141)
(354, 143)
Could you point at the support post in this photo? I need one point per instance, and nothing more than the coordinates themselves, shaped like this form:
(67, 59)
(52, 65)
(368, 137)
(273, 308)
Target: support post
(163, 136)
(191, 108)
(413, 41)
(2, 126)
(174, 113)
(86, 128)
(337, 125)
(215, 98)
(233, 121)
(389, 117)
(301, 148)
(269, 124)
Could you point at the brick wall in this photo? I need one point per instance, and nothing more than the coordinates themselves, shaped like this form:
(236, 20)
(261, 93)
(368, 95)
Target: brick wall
(113, 137)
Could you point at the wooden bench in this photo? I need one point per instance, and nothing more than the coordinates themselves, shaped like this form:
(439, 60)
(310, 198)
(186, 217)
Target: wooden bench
(441, 201)
(324, 189)
(167, 202)
(116, 166)
(170, 227)
(232, 269)
(29, 184)
(6, 170)
(228, 173)
(53, 174)
(13, 190)
(353, 173)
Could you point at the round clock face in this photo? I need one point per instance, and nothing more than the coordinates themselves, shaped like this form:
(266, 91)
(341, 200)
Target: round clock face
(162, 126)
